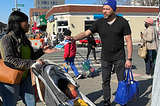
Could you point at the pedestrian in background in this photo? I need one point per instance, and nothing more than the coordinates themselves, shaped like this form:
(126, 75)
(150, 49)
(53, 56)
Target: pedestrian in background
(54, 39)
(91, 46)
(45, 40)
(151, 37)
(112, 30)
(60, 36)
(17, 53)
(69, 55)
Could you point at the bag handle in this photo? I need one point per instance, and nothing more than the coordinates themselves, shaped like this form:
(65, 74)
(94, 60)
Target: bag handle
(129, 75)
(144, 43)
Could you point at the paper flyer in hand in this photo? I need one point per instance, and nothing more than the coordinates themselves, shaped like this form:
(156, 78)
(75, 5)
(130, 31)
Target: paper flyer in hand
(61, 44)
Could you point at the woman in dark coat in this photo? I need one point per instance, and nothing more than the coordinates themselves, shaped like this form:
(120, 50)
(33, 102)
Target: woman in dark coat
(91, 46)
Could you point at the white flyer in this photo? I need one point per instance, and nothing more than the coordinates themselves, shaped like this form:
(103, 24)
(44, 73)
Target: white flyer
(61, 44)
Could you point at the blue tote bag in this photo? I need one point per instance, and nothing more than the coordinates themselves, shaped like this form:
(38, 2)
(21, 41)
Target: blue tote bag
(128, 90)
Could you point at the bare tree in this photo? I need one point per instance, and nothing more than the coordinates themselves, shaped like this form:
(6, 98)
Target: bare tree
(148, 2)
(132, 2)
(100, 2)
(119, 2)
(123, 2)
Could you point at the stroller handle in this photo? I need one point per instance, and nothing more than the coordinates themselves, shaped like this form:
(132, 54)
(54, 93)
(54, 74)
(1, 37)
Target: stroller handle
(35, 68)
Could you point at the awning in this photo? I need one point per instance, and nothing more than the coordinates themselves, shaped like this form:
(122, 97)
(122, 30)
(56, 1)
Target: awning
(98, 16)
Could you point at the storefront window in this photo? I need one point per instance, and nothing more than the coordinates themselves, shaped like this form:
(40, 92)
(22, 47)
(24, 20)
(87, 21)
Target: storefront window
(62, 23)
(88, 24)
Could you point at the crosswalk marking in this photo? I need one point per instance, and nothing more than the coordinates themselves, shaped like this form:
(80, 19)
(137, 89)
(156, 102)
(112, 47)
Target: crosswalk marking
(57, 57)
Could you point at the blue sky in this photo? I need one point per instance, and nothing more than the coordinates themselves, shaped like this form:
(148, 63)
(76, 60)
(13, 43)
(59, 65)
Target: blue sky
(7, 5)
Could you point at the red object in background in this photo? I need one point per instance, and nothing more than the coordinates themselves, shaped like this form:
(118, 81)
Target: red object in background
(34, 28)
(83, 41)
(86, 41)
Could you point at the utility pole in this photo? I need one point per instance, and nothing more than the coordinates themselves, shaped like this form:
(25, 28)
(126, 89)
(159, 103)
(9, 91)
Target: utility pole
(16, 4)
(16, 9)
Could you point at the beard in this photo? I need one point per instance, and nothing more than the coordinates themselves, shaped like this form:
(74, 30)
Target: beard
(106, 17)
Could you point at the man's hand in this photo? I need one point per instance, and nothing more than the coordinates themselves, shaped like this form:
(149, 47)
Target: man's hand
(128, 64)
(71, 39)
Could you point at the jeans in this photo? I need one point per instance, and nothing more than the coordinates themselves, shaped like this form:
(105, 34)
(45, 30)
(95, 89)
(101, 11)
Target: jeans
(119, 66)
(148, 62)
(10, 93)
(73, 67)
(45, 43)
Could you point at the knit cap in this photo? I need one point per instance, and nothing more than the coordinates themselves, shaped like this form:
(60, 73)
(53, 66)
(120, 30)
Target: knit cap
(111, 3)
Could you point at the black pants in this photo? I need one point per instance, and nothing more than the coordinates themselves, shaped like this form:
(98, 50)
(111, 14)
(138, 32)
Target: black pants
(106, 75)
(89, 51)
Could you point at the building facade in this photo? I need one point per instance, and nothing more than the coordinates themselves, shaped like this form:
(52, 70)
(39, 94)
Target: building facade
(79, 18)
(41, 7)
(34, 13)
(47, 4)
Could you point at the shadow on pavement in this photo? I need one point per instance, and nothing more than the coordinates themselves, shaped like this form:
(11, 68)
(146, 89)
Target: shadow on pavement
(134, 67)
(94, 96)
(145, 90)
(144, 94)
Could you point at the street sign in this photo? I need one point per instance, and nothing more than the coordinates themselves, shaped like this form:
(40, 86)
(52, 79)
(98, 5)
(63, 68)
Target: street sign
(20, 5)
(14, 9)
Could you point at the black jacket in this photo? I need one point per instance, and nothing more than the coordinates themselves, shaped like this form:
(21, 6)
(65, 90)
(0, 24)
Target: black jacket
(91, 41)
(10, 50)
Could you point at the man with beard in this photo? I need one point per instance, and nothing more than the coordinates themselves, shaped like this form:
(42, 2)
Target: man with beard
(112, 30)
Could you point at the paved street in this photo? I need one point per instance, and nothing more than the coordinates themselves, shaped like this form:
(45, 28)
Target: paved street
(92, 87)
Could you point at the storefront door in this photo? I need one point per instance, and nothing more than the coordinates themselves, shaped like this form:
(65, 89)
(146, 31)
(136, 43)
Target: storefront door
(62, 28)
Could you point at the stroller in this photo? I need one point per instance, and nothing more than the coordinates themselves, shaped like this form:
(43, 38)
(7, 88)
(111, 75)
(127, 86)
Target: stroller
(86, 66)
(47, 77)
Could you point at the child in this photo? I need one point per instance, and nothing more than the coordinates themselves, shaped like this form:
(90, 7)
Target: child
(71, 92)
(69, 55)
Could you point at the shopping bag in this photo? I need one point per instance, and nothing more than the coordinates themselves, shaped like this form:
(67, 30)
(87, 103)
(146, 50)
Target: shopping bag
(9, 75)
(142, 52)
(86, 65)
(154, 55)
(128, 90)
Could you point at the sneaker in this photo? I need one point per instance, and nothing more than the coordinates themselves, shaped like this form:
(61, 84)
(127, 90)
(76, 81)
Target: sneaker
(106, 103)
(78, 76)
(96, 62)
(146, 76)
